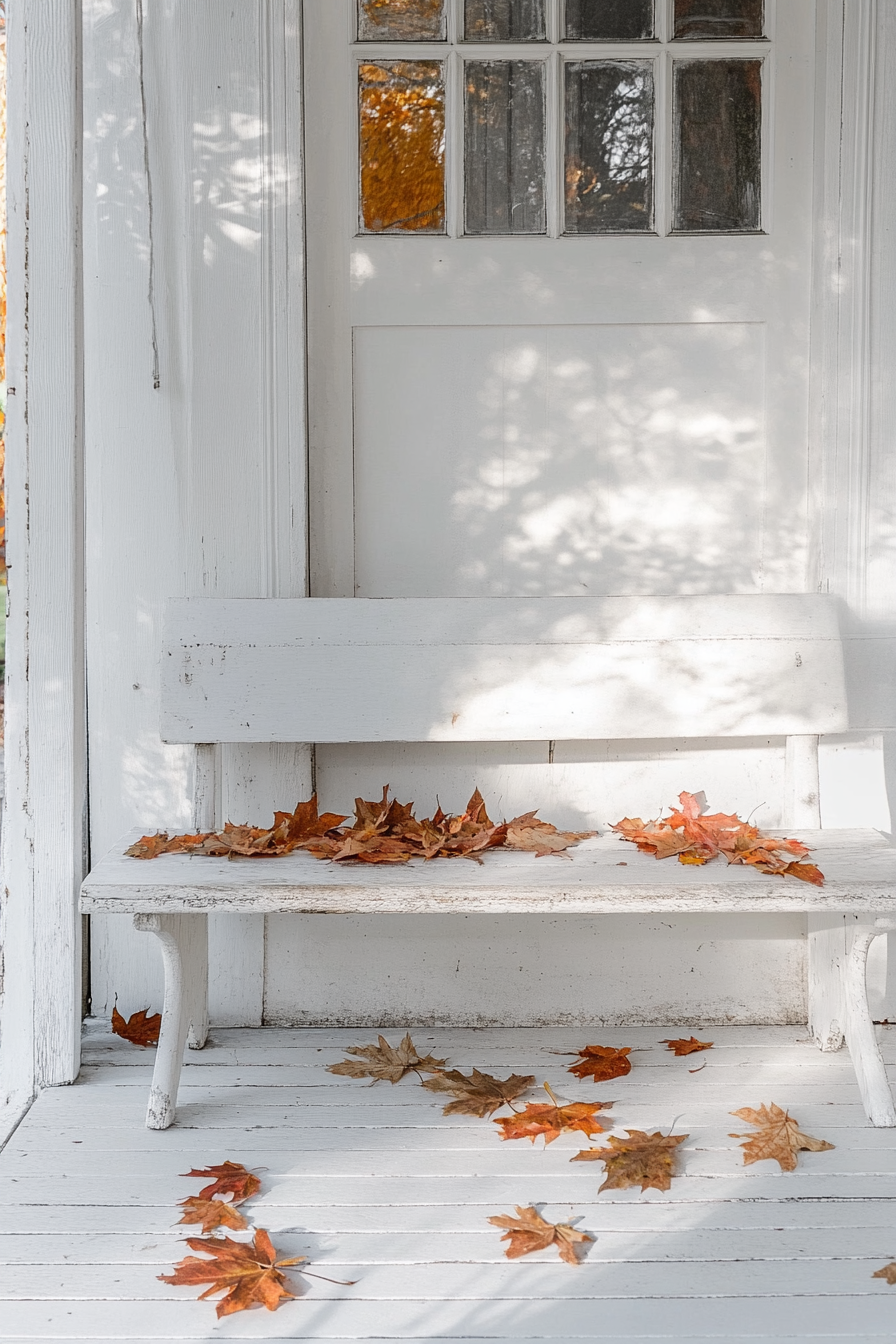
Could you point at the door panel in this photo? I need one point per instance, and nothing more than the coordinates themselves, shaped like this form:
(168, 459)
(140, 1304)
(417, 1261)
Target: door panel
(559, 460)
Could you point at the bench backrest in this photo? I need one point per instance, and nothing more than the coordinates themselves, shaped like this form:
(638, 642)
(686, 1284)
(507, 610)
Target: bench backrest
(500, 669)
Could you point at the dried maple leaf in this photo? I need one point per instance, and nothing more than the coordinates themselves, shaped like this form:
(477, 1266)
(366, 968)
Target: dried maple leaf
(602, 1062)
(383, 1063)
(687, 1047)
(231, 1178)
(211, 1213)
(247, 1271)
(697, 837)
(552, 1120)
(480, 1094)
(529, 1232)
(641, 1159)
(778, 1137)
(540, 837)
(888, 1272)
(148, 847)
(140, 1029)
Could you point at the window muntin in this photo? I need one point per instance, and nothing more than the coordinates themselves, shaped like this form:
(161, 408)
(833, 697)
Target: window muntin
(556, 139)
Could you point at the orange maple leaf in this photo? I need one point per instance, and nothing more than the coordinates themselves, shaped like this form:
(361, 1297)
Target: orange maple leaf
(231, 1178)
(529, 1232)
(211, 1213)
(602, 1062)
(697, 837)
(687, 1046)
(552, 1120)
(777, 1137)
(642, 1159)
(140, 1029)
(248, 1272)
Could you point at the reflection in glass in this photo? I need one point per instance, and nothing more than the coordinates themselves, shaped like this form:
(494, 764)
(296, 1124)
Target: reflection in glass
(717, 121)
(504, 144)
(504, 20)
(402, 112)
(401, 20)
(697, 19)
(609, 146)
(609, 20)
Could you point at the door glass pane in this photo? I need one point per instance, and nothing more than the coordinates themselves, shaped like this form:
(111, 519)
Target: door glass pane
(401, 20)
(504, 20)
(697, 19)
(504, 144)
(609, 146)
(402, 114)
(608, 20)
(717, 122)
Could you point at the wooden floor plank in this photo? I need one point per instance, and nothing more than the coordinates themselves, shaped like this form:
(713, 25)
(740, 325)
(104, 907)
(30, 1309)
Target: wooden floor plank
(375, 1183)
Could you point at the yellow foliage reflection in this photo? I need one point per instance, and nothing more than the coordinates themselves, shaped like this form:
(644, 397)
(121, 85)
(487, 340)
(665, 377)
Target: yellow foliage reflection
(402, 146)
(401, 20)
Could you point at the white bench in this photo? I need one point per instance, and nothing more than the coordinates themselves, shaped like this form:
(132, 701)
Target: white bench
(509, 669)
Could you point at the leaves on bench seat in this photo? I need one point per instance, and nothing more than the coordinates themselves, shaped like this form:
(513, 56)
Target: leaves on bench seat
(687, 1046)
(384, 831)
(247, 1271)
(231, 1178)
(696, 838)
(212, 1213)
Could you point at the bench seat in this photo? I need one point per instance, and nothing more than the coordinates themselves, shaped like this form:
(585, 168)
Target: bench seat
(171, 896)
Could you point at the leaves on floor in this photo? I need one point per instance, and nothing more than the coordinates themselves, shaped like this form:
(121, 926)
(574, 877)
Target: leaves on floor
(602, 1062)
(552, 1120)
(696, 837)
(687, 1047)
(139, 1029)
(778, 1137)
(384, 831)
(212, 1213)
(383, 1063)
(479, 1094)
(888, 1272)
(231, 1178)
(249, 1273)
(647, 1160)
(529, 1232)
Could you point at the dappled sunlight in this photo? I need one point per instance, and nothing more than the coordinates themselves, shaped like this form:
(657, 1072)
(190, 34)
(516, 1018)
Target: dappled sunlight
(563, 461)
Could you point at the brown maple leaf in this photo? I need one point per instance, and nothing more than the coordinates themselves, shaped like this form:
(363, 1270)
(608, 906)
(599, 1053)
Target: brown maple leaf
(641, 1159)
(552, 1120)
(231, 1178)
(148, 846)
(480, 1094)
(382, 1063)
(697, 837)
(888, 1272)
(778, 1137)
(211, 1213)
(140, 1028)
(529, 1232)
(687, 1047)
(540, 837)
(247, 1271)
(602, 1062)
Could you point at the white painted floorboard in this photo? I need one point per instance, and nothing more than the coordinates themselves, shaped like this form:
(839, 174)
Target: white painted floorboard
(374, 1184)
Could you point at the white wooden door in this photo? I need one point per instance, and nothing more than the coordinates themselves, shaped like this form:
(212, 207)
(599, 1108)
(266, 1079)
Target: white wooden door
(516, 388)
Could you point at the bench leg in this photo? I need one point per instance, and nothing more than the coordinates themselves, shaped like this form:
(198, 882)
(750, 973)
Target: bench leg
(827, 958)
(861, 1039)
(184, 944)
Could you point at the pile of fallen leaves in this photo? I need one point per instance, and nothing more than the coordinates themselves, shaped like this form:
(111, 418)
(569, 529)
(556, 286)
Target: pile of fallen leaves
(697, 837)
(383, 832)
(249, 1273)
